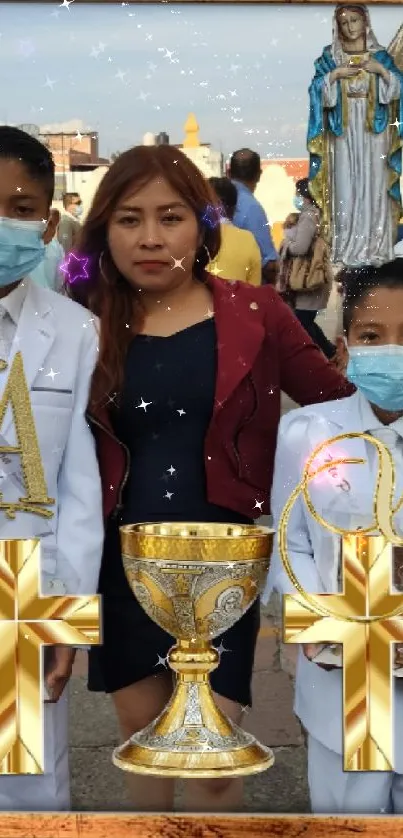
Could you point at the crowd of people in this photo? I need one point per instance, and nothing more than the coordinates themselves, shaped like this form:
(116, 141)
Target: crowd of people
(156, 381)
(247, 252)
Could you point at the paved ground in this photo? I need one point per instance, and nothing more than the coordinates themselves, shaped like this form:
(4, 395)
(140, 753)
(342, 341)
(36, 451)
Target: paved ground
(98, 785)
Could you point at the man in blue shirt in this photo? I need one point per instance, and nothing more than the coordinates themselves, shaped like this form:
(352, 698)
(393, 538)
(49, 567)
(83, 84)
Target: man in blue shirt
(245, 172)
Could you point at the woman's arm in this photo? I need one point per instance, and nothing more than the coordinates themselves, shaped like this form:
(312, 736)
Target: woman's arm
(389, 88)
(305, 232)
(305, 374)
(330, 86)
(390, 78)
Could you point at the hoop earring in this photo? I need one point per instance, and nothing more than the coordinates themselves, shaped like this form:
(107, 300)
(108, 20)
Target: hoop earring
(204, 247)
(101, 267)
(208, 253)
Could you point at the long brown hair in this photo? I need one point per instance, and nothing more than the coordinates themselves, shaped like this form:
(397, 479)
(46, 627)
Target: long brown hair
(106, 293)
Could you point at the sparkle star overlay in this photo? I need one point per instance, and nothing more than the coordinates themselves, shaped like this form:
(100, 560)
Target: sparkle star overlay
(212, 216)
(75, 268)
(181, 56)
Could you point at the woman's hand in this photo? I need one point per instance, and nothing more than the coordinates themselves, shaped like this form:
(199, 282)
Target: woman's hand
(344, 73)
(375, 67)
(60, 671)
(311, 650)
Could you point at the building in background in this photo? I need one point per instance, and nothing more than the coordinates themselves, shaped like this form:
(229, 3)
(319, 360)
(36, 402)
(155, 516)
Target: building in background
(276, 190)
(149, 139)
(76, 154)
(162, 138)
(209, 161)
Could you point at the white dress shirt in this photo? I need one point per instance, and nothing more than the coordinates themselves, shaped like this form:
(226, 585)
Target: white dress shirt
(10, 310)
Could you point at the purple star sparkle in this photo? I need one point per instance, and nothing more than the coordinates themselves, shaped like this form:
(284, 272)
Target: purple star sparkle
(75, 267)
(212, 216)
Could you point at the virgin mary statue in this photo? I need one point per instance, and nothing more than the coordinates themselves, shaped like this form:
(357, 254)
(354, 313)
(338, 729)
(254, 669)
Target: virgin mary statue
(355, 136)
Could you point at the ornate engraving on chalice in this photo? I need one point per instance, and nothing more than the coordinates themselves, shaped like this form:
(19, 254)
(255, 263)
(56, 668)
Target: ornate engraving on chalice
(195, 581)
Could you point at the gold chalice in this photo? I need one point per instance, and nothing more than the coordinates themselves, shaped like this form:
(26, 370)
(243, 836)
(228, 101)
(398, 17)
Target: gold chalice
(359, 62)
(195, 580)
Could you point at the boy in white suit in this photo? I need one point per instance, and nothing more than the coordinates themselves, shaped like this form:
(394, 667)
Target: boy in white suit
(373, 324)
(58, 342)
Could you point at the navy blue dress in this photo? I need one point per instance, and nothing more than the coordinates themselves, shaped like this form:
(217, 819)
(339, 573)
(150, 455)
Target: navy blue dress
(165, 410)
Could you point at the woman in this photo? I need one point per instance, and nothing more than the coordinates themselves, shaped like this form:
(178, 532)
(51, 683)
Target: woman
(239, 255)
(298, 241)
(185, 405)
(354, 138)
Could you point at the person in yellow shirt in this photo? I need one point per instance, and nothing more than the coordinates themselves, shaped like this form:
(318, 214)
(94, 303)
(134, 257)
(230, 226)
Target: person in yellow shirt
(239, 255)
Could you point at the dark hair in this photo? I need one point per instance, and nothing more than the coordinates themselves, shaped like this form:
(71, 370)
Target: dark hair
(106, 293)
(34, 156)
(67, 197)
(302, 188)
(245, 165)
(357, 283)
(226, 193)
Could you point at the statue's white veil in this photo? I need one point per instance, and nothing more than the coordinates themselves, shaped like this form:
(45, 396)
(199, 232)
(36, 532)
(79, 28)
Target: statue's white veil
(372, 44)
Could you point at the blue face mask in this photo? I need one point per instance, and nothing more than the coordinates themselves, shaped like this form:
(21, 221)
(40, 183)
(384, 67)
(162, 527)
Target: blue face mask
(378, 372)
(298, 203)
(21, 248)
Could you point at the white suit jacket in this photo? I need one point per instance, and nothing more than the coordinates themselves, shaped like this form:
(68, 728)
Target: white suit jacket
(345, 499)
(58, 342)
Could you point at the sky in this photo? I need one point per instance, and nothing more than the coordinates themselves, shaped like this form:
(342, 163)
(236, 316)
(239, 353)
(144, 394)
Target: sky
(124, 69)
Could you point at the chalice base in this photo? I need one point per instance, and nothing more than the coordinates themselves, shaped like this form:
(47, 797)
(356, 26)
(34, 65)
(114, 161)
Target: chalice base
(193, 738)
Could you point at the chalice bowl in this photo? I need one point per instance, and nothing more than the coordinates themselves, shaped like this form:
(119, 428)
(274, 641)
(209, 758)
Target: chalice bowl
(195, 580)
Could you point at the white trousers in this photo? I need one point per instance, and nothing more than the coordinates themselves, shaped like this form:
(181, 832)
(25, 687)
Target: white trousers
(334, 791)
(48, 792)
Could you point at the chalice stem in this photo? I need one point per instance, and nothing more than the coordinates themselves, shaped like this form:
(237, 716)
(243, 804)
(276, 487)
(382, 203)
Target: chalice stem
(192, 704)
(192, 737)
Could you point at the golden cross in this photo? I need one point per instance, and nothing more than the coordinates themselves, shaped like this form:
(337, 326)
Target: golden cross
(366, 618)
(367, 658)
(29, 621)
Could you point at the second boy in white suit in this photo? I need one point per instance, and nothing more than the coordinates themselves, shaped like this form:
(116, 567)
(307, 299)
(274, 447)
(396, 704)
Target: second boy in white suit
(373, 319)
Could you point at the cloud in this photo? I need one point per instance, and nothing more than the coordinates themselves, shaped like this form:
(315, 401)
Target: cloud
(65, 127)
(293, 129)
(263, 53)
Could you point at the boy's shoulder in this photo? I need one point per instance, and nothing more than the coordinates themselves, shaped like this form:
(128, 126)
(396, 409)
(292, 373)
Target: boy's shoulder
(68, 314)
(332, 413)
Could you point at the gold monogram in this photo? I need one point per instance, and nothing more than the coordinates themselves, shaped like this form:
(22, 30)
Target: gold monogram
(16, 395)
(366, 618)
